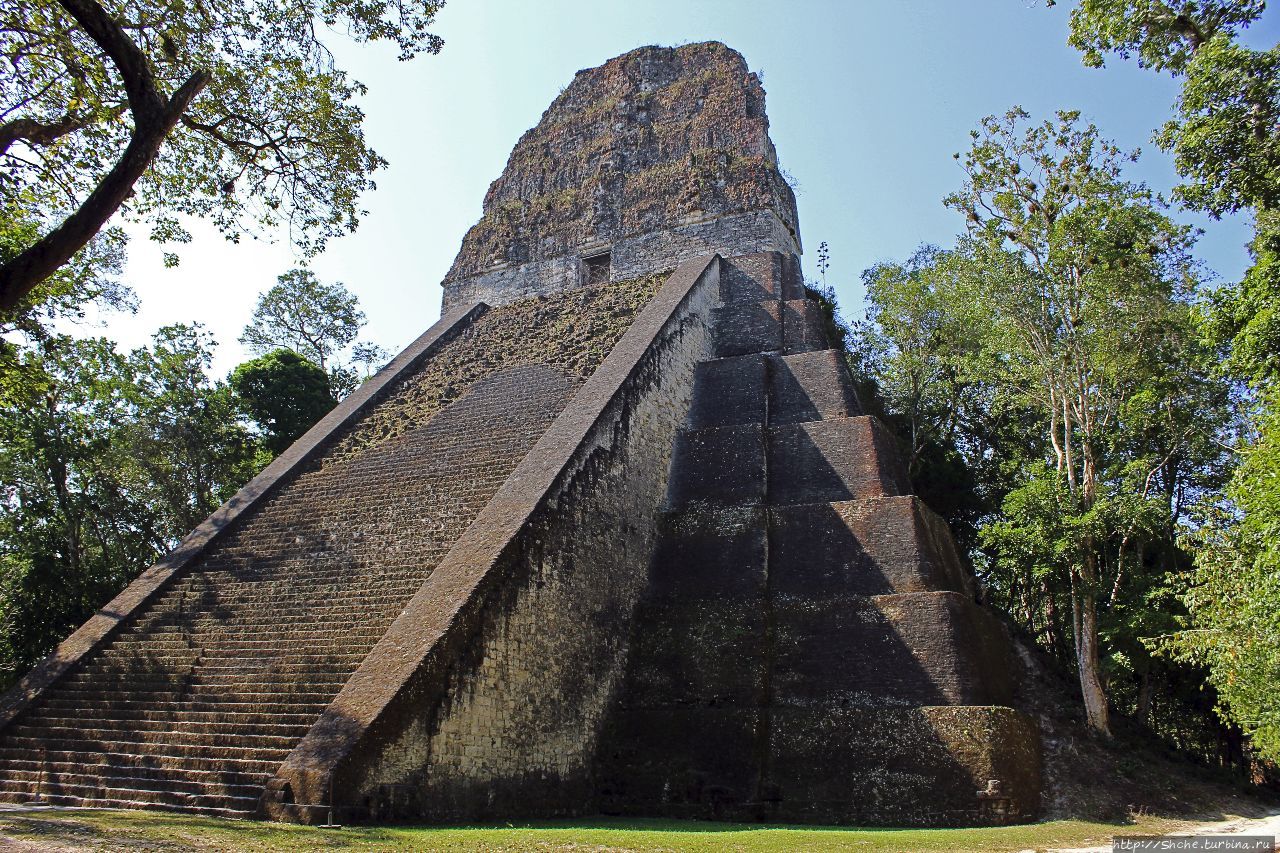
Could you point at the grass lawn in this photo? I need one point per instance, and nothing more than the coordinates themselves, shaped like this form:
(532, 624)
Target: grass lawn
(121, 830)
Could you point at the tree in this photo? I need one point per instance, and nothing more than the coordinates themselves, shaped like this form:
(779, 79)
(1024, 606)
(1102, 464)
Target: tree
(284, 393)
(69, 534)
(318, 321)
(107, 461)
(1226, 143)
(233, 111)
(1083, 278)
(1164, 38)
(1225, 138)
(187, 452)
(300, 313)
(1233, 596)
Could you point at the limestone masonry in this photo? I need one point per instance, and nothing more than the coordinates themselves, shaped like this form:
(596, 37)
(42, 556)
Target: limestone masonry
(613, 536)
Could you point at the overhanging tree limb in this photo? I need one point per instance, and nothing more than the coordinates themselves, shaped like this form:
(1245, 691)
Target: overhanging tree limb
(154, 118)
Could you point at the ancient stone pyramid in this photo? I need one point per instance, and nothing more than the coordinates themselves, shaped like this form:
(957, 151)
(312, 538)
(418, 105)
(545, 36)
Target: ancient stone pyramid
(612, 536)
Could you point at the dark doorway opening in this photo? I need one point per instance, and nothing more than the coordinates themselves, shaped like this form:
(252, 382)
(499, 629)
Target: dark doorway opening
(595, 269)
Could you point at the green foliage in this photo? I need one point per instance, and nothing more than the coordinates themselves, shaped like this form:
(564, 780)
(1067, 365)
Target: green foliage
(284, 393)
(1051, 369)
(275, 138)
(1225, 145)
(1245, 320)
(188, 450)
(108, 460)
(1224, 138)
(1164, 36)
(89, 279)
(300, 313)
(317, 321)
(1234, 594)
(1225, 141)
(69, 535)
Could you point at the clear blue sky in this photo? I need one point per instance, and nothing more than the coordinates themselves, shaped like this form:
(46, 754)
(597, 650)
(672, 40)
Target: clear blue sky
(868, 100)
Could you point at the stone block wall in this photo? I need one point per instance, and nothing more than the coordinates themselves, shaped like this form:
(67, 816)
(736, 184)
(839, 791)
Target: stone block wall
(808, 647)
(630, 257)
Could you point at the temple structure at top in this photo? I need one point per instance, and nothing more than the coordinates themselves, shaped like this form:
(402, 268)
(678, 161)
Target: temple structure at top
(656, 157)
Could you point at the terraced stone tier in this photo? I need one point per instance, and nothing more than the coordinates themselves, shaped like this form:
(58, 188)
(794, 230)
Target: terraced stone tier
(808, 647)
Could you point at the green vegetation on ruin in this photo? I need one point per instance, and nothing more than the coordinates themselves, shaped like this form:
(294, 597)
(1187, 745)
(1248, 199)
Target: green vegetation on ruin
(572, 332)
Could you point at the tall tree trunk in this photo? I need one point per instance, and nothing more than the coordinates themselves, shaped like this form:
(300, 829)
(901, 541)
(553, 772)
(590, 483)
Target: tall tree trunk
(1088, 661)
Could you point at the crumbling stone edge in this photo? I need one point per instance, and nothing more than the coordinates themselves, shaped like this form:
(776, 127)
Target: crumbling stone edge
(440, 621)
(103, 624)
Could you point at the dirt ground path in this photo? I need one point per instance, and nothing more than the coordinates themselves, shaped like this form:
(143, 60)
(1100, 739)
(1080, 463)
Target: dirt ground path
(1269, 825)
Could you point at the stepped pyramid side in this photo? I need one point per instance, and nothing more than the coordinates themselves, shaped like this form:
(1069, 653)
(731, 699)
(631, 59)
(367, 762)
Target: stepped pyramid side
(807, 648)
(612, 535)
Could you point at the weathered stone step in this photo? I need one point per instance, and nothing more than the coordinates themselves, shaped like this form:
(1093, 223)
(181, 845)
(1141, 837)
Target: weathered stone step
(195, 623)
(141, 748)
(271, 607)
(129, 755)
(810, 386)
(294, 574)
(742, 328)
(833, 460)
(232, 676)
(872, 547)
(294, 658)
(232, 643)
(718, 465)
(338, 595)
(230, 807)
(289, 573)
(50, 777)
(264, 699)
(729, 392)
(117, 665)
(199, 703)
(265, 603)
(759, 276)
(803, 326)
(322, 596)
(255, 644)
(138, 775)
(140, 715)
(173, 736)
(178, 722)
(285, 684)
(912, 649)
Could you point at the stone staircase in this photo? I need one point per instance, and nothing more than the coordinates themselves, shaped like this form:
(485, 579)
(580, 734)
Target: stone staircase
(194, 703)
(808, 627)
(192, 706)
